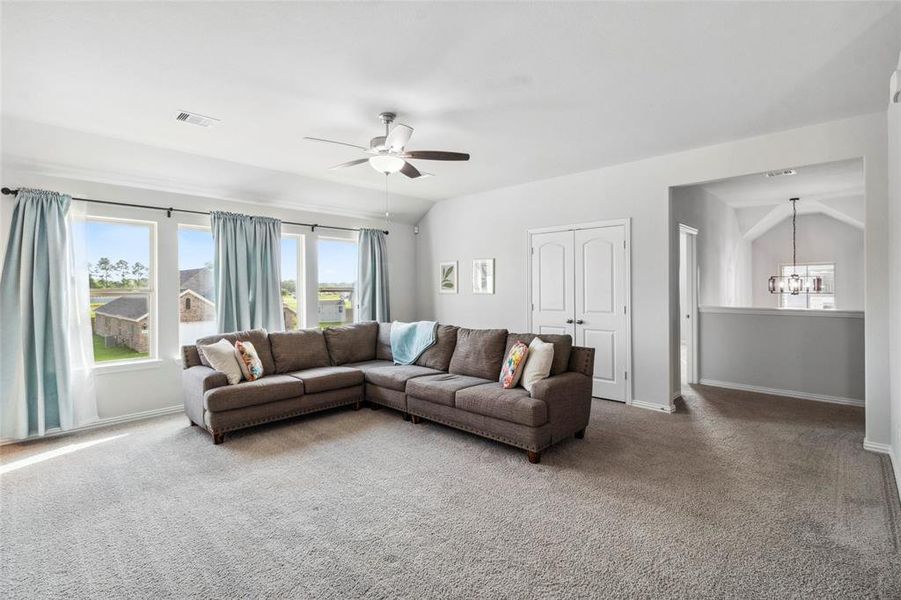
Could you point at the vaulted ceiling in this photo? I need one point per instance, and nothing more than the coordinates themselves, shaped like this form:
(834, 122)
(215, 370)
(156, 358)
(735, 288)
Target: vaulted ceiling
(530, 90)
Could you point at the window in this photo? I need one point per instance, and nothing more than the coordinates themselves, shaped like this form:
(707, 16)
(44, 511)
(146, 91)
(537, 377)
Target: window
(824, 300)
(337, 275)
(292, 264)
(197, 308)
(121, 275)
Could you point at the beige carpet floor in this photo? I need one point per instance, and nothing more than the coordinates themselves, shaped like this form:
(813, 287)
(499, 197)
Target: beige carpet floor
(736, 496)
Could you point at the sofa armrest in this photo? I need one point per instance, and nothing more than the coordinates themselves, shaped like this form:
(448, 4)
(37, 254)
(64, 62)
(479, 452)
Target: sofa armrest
(567, 396)
(195, 382)
(581, 360)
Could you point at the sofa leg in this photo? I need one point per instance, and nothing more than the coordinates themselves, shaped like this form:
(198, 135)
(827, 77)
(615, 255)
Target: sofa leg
(218, 438)
(406, 416)
(416, 419)
(580, 434)
(358, 405)
(534, 457)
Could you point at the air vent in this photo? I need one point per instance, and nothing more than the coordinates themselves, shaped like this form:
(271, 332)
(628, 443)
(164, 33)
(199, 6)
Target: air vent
(195, 119)
(781, 173)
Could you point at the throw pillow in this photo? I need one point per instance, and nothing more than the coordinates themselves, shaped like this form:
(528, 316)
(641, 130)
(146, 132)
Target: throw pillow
(538, 364)
(221, 357)
(248, 360)
(513, 365)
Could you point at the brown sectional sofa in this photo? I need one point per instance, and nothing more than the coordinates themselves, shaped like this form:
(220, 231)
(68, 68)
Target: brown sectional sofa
(455, 382)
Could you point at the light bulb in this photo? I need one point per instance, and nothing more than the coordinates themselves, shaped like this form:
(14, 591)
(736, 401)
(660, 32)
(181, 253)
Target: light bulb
(385, 163)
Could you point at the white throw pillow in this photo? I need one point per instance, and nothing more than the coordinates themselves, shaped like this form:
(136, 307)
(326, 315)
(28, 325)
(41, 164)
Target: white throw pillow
(221, 357)
(538, 363)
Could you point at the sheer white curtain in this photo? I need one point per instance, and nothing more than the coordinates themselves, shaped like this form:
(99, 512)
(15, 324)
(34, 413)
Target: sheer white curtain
(80, 340)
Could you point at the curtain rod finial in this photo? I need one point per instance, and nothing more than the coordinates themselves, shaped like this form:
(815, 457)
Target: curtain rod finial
(8, 192)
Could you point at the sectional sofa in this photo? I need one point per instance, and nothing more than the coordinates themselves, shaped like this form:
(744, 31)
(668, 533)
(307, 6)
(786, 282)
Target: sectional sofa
(455, 382)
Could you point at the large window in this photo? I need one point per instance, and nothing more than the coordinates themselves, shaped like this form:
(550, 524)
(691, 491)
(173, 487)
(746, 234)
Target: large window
(122, 288)
(196, 307)
(337, 275)
(291, 267)
(824, 300)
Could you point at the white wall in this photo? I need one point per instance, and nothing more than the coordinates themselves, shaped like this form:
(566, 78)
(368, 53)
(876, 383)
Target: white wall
(724, 256)
(494, 224)
(894, 152)
(820, 239)
(157, 385)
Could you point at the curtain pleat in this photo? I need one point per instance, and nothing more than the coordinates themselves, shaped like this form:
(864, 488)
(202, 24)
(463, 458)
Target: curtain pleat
(372, 277)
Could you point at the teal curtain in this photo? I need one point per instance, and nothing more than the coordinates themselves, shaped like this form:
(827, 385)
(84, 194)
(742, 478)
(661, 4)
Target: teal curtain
(34, 311)
(247, 272)
(372, 277)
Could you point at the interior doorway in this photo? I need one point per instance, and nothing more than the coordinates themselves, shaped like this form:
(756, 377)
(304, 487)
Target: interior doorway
(688, 304)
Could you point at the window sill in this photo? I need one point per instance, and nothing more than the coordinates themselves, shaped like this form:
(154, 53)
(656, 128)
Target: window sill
(131, 365)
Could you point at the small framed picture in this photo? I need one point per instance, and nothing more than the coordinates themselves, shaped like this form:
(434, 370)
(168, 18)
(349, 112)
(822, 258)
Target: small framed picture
(483, 276)
(447, 277)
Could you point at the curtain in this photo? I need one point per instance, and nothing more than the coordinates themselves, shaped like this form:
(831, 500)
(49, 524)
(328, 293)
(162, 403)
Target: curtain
(41, 382)
(247, 272)
(372, 277)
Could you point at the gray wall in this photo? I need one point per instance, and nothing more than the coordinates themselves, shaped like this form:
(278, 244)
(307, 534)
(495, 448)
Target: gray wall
(820, 239)
(811, 352)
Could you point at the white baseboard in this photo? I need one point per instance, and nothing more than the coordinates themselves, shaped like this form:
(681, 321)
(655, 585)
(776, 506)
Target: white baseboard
(877, 447)
(887, 450)
(652, 406)
(147, 414)
(780, 392)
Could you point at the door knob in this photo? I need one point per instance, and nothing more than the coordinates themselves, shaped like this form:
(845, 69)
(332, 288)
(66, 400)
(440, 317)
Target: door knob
(569, 321)
(579, 321)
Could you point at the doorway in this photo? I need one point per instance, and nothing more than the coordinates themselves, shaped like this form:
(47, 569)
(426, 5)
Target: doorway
(688, 304)
(580, 285)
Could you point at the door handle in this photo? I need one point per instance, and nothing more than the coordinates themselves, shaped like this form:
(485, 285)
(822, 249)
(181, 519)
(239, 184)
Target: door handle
(569, 321)
(579, 321)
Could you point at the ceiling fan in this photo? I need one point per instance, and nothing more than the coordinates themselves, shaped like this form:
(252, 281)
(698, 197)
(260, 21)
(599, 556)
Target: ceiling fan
(388, 153)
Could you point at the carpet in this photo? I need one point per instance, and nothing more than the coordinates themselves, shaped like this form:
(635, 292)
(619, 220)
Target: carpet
(737, 495)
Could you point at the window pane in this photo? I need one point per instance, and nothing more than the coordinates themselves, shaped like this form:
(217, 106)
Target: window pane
(290, 270)
(121, 296)
(196, 308)
(337, 274)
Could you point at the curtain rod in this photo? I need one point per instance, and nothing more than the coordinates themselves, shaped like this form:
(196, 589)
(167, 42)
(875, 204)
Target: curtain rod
(170, 210)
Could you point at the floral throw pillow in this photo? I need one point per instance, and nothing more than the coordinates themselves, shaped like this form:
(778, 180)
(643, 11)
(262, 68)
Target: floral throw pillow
(513, 365)
(248, 360)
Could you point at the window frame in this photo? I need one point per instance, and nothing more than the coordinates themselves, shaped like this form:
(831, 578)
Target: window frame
(178, 229)
(350, 238)
(151, 291)
(299, 277)
(834, 295)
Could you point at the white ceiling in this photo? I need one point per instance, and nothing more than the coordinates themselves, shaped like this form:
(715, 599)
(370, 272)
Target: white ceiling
(530, 90)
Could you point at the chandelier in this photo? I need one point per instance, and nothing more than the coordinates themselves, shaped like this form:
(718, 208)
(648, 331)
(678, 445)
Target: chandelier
(794, 284)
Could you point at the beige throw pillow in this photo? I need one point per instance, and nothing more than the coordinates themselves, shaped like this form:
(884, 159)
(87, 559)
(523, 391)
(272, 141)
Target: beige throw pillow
(221, 357)
(538, 364)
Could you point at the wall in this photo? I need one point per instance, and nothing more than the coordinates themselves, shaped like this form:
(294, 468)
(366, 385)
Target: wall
(155, 385)
(494, 224)
(820, 239)
(724, 257)
(813, 354)
(894, 152)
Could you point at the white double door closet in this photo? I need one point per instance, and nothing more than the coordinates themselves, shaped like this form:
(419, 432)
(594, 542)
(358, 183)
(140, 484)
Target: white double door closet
(580, 286)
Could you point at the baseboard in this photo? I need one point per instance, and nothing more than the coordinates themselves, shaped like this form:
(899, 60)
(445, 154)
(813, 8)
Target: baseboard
(779, 392)
(894, 460)
(877, 447)
(147, 414)
(652, 406)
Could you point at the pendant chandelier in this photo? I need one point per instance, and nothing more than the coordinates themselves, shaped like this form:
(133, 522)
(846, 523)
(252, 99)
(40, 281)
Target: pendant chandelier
(794, 284)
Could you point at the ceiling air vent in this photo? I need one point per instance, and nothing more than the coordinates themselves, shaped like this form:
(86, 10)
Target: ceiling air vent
(195, 119)
(781, 173)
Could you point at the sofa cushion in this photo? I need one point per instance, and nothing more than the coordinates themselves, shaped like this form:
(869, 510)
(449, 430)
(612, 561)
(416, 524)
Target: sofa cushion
(352, 343)
(323, 379)
(258, 337)
(270, 388)
(479, 353)
(395, 377)
(383, 343)
(369, 364)
(439, 355)
(492, 400)
(296, 350)
(441, 388)
(562, 347)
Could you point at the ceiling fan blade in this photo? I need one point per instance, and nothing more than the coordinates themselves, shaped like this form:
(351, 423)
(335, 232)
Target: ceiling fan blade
(410, 171)
(351, 163)
(314, 139)
(435, 155)
(398, 137)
